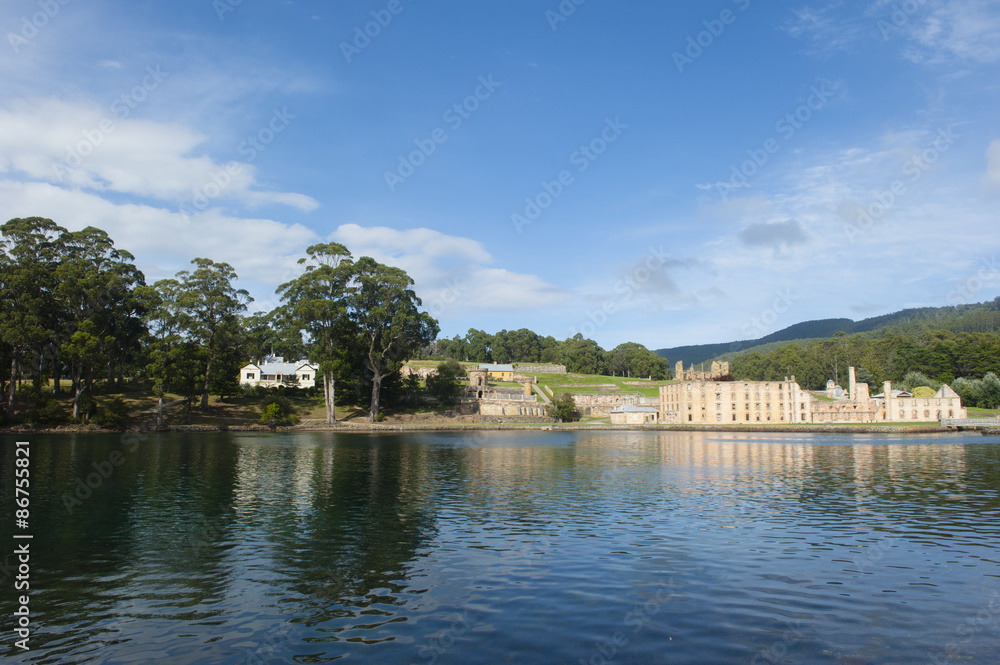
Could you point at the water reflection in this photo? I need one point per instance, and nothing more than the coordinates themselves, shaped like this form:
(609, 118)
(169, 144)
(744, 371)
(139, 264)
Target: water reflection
(530, 547)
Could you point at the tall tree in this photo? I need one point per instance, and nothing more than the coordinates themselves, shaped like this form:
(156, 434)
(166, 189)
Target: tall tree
(30, 251)
(100, 314)
(163, 321)
(316, 303)
(383, 306)
(210, 307)
(631, 359)
(582, 356)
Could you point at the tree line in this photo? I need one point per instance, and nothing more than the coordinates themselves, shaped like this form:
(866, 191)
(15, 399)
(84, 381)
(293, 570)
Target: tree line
(578, 354)
(942, 356)
(73, 306)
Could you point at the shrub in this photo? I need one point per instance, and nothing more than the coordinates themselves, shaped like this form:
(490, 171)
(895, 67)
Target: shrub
(444, 386)
(46, 411)
(563, 408)
(86, 407)
(277, 410)
(989, 392)
(111, 413)
(914, 380)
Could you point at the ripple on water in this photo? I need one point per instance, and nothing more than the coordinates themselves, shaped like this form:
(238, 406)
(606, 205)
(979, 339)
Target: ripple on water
(643, 547)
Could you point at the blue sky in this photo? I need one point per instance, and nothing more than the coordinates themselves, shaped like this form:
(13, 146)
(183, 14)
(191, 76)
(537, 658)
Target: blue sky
(664, 173)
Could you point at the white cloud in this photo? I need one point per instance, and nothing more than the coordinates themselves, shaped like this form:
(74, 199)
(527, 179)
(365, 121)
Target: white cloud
(934, 31)
(824, 29)
(261, 250)
(449, 271)
(82, 145)
(958, 29)
(992, 179)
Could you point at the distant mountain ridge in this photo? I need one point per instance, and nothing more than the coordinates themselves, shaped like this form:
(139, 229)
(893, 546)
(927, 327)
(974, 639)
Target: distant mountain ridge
(977, 317)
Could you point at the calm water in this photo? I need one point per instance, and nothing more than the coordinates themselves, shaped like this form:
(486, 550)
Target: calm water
(552, 547)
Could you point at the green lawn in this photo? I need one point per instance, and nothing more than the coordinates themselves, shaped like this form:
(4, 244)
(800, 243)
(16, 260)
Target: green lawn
(976, 412)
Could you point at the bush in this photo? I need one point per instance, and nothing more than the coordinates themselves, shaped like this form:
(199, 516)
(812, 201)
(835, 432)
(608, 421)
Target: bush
(86, 407)
(444, 386)
(46, 411)
(277, 410)
(914, 380)
(111, 413)
(989, 392)
(563, 408)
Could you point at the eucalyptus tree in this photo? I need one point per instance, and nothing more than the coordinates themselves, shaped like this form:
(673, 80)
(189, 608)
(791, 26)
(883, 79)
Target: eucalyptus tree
(316, 303)
(163, 323)
(30, 251)
(210, 308)
(100, 314)
(390, 328)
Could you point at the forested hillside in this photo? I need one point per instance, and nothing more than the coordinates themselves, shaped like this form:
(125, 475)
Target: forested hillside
(976, 317)
(941, 355)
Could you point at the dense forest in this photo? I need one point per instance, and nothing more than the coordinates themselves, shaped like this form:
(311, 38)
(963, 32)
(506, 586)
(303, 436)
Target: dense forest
(960, 359)
(76, 314)
(973, 317)
(75, 308)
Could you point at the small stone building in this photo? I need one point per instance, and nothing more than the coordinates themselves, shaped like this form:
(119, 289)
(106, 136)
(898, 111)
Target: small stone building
(635, 415)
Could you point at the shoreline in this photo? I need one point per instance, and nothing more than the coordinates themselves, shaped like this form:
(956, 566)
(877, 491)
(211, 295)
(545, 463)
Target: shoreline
(537, 427)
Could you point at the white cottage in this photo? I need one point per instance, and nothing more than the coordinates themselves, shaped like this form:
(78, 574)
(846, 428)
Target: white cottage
(274, 371)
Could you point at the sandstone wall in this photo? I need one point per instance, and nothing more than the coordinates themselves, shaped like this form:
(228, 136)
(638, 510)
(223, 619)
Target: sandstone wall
(540, 369)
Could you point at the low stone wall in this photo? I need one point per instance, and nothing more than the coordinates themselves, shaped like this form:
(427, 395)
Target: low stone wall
(601, 404)
(512, 408)
(507, 420)
(540, 369)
